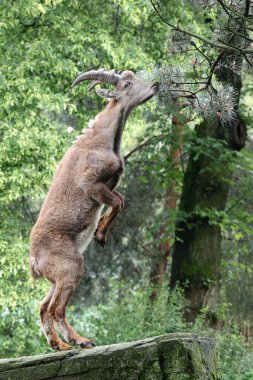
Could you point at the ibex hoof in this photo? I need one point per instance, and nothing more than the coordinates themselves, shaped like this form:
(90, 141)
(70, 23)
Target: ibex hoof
(87, 345)
(100, 239)
(84, 343)
(61, 346)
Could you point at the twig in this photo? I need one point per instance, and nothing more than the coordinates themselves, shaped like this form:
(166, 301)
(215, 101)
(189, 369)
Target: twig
(140, 146)
(201, 52)
(224, 7)
(151, 253)
(243, 52)
(239, 34)
(213, 68)
(238, 14)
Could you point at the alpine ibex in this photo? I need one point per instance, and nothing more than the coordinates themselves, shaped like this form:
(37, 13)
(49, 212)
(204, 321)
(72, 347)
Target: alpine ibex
(84, 182)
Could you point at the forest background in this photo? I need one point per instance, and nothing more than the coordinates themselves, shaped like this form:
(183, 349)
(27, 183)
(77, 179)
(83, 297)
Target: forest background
(179, 257)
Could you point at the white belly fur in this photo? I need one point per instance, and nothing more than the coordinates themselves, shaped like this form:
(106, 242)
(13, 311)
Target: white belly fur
(83, 239)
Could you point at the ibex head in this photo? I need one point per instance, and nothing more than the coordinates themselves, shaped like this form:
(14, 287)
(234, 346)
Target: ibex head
(130, 91)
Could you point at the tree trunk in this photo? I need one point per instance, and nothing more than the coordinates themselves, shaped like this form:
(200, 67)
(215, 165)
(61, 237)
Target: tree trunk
(197, 250)
(171, 196)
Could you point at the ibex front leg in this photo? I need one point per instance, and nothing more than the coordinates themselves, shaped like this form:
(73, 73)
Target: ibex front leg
(115, 201)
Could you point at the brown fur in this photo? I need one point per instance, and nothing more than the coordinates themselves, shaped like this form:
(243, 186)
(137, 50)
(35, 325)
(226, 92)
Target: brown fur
(84, 181)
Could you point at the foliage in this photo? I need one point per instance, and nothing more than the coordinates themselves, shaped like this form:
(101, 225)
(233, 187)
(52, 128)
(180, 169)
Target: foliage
(128, 315)
(19, 327)
(236, 358)
(237, 242)
(208, 45)
(43, 46)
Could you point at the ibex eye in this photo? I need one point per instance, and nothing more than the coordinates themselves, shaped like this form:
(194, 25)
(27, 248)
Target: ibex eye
(127, 84)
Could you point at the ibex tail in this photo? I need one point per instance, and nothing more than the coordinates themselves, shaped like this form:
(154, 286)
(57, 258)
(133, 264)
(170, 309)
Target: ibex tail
(34, 269)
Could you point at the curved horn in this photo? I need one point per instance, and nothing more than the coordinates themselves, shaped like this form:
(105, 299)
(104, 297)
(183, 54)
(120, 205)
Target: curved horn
(100, 75)
(93, 84)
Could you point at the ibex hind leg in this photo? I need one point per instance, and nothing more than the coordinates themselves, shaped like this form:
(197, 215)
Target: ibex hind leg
(68, 275)
(47, 324)
(57, 309)
(72, 336)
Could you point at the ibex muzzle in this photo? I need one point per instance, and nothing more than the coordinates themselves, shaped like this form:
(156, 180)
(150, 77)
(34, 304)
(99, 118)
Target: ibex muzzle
(84, 182)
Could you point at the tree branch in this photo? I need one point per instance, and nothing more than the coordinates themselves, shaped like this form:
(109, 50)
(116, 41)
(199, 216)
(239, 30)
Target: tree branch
(223, 6)
(215, 63)
(240, 35)
(208, 42)
(247, 6)
(140, 146)
(145, 248)
(201, 52)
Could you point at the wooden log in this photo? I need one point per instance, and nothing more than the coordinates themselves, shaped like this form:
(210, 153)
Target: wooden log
(168, 357)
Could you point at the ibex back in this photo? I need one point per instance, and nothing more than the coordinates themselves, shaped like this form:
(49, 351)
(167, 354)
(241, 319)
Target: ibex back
(84, 182)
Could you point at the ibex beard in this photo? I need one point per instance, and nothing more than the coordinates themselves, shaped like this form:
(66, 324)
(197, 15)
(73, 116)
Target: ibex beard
(84, 182)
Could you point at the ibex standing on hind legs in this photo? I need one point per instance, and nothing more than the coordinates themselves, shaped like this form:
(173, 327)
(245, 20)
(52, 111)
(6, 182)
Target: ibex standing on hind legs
(84, 182)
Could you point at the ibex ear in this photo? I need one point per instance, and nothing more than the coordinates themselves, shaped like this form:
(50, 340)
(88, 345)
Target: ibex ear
(104, 93)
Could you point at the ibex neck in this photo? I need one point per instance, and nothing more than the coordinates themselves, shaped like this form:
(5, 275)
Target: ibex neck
(120, 122)
(108, 126)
